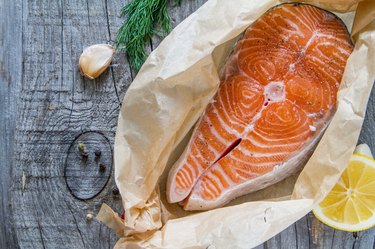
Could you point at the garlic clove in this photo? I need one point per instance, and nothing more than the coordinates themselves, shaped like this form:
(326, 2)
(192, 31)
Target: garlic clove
(95, 59)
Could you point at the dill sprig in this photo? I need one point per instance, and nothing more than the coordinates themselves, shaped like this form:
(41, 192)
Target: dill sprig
(144, 18)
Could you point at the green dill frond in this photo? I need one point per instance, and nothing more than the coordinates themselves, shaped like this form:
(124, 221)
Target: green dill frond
(163, 18)
(142, 18)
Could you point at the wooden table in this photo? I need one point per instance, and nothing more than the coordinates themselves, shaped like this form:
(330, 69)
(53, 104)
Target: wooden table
(47, 107)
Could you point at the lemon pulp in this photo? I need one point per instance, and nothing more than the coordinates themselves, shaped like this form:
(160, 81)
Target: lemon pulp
(350, 206)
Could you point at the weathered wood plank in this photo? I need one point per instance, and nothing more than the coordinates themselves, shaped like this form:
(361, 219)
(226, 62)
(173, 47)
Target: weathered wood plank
(302, 233)
(367, 132)
(10, 85)
(56, 105)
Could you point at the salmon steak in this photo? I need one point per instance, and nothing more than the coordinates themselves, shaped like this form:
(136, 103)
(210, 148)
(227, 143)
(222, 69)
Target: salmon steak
(277, 95)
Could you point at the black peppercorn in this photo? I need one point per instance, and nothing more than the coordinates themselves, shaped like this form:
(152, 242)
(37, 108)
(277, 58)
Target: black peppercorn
(85, 155)
(98, 153)
(115, 191)
(101, 167)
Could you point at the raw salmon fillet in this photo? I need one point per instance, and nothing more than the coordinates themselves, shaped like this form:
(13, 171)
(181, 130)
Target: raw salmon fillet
(277, 95)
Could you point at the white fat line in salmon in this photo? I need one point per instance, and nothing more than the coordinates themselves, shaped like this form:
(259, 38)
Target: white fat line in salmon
(255, 164)
(285, 37)
(301, 54)
(224, 124)
(236, 121)
(185, 178)
(194, 158)
(220, 171)
(214, 132)
(198, 154)
(331, 62)
(214, 184)
(222, 121)
(303, 22)
(263, 154)
(195, 169)
(204, 140)
(322, 64)
(227, 100)
(245, 172)
(274, 141)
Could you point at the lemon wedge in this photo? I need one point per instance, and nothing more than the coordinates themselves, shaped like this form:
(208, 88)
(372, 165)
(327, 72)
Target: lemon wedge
(350, 206)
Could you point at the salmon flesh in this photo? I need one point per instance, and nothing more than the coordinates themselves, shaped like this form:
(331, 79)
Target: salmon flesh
(277, 94)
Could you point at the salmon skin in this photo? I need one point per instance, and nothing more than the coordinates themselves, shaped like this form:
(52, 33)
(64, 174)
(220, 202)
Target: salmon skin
(277, 95)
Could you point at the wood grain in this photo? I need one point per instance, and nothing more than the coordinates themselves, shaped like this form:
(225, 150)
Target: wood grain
(55, 106)
(10, 85)
(47, 107)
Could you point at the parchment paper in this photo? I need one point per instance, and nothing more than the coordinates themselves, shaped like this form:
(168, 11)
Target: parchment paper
(169, 95)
